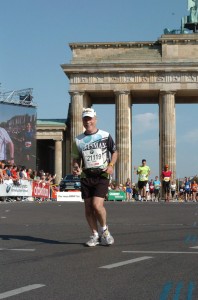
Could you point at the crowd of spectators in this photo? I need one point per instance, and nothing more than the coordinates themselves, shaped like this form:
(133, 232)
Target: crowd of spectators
(9, 171)
(183, 190)
(14, 174)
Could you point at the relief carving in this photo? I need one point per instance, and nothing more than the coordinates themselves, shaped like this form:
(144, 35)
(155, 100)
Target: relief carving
(161, 77)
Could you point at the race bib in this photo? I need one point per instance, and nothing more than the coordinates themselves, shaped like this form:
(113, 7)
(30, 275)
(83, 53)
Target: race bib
(143, 177)
(166, 179)
(28, 144)
(93, 158)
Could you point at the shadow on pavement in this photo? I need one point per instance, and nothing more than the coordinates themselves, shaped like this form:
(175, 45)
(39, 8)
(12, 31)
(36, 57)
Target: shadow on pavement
(35, 239)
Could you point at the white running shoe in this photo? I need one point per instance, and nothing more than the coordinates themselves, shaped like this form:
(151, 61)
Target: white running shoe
(94, 241)
(106, 238)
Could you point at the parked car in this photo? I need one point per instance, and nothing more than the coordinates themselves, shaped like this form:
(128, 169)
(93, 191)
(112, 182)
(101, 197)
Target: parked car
(70, 182)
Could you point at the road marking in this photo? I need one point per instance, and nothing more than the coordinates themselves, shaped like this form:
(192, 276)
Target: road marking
(166, 289)
(195, 247)
(20, 290)
(190, 290)
(126, 262)
(5, 249)
(179, 290)
(161, 252)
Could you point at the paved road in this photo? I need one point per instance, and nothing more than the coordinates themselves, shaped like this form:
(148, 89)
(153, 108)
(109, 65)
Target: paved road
(42, 252)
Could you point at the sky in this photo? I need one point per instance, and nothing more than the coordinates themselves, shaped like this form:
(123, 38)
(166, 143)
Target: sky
(35, 37)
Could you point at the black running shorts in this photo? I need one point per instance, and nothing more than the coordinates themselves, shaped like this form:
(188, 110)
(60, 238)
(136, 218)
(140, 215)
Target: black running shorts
(166, 186)
(94, 187)
(141, 184)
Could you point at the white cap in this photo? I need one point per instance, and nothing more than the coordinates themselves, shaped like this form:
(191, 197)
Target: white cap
(88, 112)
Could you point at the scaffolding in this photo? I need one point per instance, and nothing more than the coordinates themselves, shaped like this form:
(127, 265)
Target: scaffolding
(19, 97)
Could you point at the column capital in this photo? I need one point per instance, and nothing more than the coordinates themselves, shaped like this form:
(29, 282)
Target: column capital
(74, 93)
(163, 92)
(122, 92)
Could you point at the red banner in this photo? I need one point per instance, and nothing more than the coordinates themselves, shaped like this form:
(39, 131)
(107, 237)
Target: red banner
(40, 189)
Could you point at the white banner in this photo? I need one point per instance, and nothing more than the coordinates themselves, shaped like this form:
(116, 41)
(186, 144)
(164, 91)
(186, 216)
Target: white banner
(69, 196)
(9, 189)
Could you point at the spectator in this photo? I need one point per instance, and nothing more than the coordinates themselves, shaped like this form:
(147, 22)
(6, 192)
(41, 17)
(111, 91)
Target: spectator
(23, 173)
(1, 173)
(15, 174)
(76, 170)
(135, 192)
(8, 172)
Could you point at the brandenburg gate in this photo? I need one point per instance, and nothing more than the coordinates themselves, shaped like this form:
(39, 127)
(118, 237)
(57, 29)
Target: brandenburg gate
(164, 72)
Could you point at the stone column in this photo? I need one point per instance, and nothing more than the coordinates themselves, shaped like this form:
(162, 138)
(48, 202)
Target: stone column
(123, 136)
(58, 160)
(76, 113)
(77, 102)
(167, 128)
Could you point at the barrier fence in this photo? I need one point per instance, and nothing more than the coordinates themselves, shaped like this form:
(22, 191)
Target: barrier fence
(24, 188)
(38, 190)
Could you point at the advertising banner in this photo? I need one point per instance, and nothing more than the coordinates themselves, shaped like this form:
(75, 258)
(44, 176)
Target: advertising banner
(23, 188)
(17, 134)
(69, 196)
(40, 189)
(116, 195)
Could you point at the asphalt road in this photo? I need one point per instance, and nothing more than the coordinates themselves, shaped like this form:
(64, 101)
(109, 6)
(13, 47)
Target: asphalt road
(42, 252)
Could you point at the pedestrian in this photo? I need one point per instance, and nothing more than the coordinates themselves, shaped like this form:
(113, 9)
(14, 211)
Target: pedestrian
(95, 152)
(143, 171)
(173, 189)
(151, 189)
(157, 185)
(129, 191)
(166, 179)
(187, 189)
(194, 188)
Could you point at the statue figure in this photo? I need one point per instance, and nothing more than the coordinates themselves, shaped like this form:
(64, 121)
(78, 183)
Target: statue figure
(193, 8)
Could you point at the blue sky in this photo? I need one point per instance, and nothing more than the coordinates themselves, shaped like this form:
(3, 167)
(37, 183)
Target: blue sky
(34, 39)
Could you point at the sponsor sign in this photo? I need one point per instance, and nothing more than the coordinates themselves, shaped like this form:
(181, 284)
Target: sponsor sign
(69, 196)
(40, 189)
(116, 195)
(22, 189)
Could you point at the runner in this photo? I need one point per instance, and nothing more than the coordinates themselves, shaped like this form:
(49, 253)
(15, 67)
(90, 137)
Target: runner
(91, 151)
(166, 178)
(143, 171)
(194, 188)
(173, 189)
(157, 185)
(151, 189)
(187, 189)
(129, 191)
